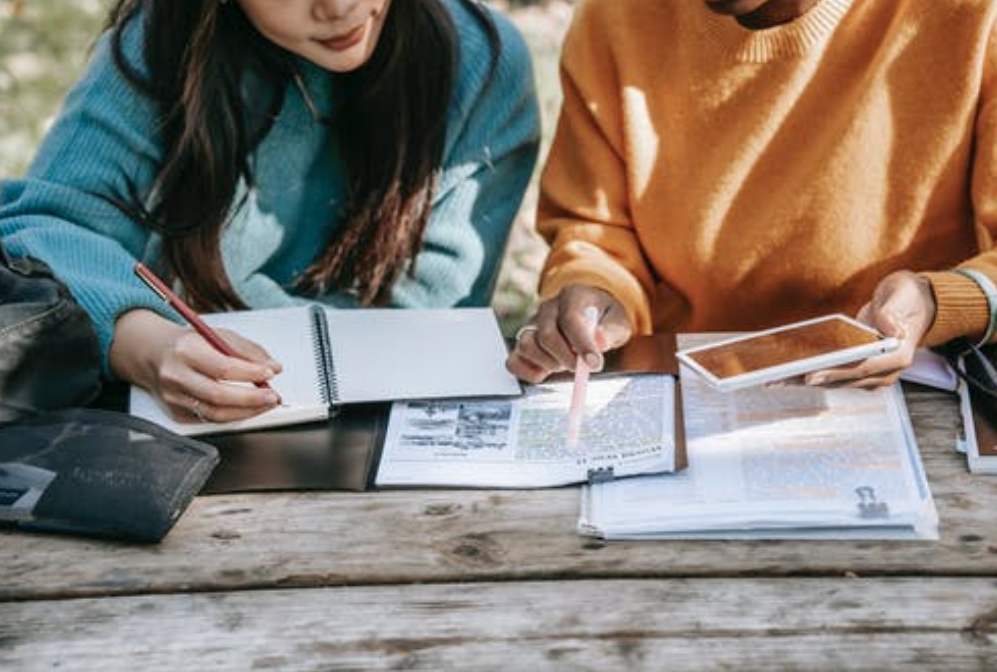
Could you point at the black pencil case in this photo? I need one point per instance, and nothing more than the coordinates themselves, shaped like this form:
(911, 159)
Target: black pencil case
(98, 473)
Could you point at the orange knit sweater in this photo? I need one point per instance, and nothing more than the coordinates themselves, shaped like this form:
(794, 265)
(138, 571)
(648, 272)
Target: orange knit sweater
(715, 178)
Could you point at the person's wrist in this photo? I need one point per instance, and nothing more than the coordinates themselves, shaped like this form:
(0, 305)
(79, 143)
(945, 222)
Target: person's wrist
(928, 300)
(989, 290)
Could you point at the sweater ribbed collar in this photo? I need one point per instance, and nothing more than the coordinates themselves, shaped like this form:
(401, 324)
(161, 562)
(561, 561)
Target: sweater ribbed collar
(788, 40)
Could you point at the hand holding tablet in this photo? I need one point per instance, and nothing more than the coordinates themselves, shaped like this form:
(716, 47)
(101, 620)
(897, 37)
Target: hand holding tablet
(791, 350)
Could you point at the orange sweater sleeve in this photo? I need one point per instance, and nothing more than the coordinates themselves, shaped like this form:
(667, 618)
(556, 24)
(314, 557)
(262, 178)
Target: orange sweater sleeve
(962, 306)
(584, 203)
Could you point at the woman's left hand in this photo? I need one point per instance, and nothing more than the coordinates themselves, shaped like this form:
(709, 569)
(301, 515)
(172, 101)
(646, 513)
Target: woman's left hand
(902, 306)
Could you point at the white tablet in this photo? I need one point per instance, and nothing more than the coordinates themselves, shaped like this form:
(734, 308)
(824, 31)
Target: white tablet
(791, 350)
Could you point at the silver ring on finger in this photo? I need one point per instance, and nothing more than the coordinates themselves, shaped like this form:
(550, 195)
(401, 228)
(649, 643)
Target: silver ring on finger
(195, 408)
(525, 329)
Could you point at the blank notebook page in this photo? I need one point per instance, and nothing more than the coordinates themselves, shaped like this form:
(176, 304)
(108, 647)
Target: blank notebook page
(286, 333)
(410, 354)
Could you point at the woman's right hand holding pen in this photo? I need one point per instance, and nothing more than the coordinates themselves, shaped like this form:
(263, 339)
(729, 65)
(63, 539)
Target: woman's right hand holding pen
(558, 333)
(186, 373)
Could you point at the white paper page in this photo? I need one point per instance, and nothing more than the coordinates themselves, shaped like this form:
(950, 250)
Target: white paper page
(924, 527)
(286, 333)
(776, 458)
(931, 369)
(521, 442)
(391, 354)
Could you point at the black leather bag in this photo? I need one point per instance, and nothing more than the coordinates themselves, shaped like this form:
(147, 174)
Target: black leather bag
(49, 353)
(98, 473)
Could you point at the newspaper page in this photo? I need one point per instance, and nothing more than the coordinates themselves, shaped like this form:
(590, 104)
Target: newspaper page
(628, 426)
(778, 462)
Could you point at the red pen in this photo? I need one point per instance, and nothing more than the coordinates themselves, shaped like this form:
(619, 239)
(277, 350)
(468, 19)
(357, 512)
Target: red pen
(192, 318)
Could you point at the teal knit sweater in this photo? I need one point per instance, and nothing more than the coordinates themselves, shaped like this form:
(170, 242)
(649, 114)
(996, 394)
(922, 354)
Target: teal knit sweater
(104, 139)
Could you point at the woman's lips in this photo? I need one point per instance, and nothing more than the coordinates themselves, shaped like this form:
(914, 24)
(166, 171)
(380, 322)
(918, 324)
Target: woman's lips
(347, 40)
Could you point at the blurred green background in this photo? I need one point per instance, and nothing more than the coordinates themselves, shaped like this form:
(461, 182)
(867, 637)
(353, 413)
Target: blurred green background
(44, 46)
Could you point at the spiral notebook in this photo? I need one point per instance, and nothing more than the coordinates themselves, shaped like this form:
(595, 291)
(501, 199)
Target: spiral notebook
(345, 356)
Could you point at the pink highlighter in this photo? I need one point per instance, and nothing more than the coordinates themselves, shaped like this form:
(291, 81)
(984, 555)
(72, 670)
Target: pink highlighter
(576, 412)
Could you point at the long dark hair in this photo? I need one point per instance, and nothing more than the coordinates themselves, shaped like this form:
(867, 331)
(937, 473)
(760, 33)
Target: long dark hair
(390, 123)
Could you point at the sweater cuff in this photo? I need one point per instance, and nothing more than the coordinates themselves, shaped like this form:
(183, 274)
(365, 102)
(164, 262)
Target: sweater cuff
(961, 308)
(617, 282)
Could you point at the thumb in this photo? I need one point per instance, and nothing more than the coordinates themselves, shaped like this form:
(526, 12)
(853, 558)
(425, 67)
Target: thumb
(614, 329)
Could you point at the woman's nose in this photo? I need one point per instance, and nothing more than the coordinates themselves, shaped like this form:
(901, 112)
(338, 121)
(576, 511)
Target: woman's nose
(325, 10)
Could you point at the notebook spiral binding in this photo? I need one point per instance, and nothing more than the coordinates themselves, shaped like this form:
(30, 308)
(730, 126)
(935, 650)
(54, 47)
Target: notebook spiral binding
(323, 357)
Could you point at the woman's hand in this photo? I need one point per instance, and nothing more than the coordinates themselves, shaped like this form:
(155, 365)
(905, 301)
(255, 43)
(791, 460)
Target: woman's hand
(902, 306)
(559, 332)
(186, 374)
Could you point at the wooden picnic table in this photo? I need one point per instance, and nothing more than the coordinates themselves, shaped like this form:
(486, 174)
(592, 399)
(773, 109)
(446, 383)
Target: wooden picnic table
(449, 579)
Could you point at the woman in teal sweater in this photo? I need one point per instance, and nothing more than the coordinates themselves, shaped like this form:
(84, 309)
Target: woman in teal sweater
(260, 154)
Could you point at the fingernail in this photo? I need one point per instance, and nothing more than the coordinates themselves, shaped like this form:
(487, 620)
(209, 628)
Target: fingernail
(272, 398)
(592, 360)
(816, 379)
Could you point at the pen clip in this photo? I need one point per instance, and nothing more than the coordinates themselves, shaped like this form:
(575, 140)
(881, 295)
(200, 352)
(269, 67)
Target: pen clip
(150, 281)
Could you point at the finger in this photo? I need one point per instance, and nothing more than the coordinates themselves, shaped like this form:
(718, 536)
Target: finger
(865, 315)
(869, 382)
(193, 410)
(212, 413)
(251, 350)
(872, 382)
(612, 326)
(201, 356)
(888, 323)
(181, 385)
(546, 346)
(580, 331)
(529, 360)
(869, 369)
(551, 348)
(786, 382)
(526, 370)
(530, 350)
(222, 394)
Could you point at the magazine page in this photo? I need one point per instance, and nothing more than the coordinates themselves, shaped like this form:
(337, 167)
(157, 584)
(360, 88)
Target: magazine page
(520, 442)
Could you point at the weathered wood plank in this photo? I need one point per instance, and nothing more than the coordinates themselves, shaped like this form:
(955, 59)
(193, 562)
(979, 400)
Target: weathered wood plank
(742, 624)
(325, 539)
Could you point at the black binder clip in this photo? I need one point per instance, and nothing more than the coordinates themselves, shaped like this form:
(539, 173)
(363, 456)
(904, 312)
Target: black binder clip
(600, 475)
(868, 506)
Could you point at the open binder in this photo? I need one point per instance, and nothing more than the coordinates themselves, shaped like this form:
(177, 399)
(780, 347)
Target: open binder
(334, 357)
(344, 452)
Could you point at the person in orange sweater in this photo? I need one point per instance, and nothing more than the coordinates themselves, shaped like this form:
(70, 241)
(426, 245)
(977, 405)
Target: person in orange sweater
(731, 165)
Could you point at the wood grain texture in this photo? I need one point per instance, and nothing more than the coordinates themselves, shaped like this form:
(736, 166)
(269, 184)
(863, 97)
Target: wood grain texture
(281, 540)
(499, 580)
(679, 624)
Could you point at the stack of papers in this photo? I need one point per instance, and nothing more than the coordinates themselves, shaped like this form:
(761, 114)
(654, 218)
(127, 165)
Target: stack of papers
(778, 463)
